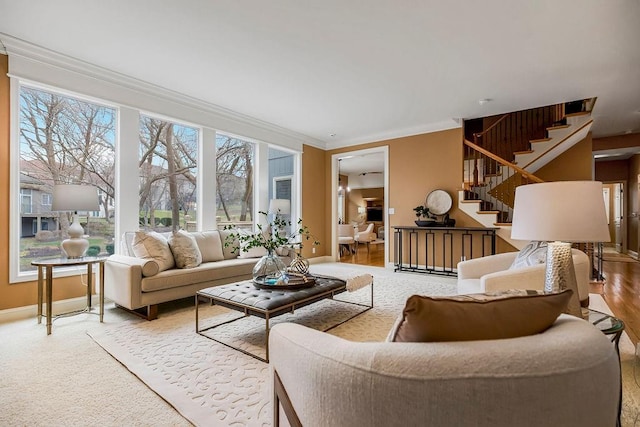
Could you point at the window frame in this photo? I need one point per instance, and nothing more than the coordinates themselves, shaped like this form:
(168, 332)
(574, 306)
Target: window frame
(126, 106)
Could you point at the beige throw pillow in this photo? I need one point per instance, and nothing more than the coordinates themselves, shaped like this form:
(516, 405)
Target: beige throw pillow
(185, 249)
(228, 249)
(152, 245)
(478, 317)
(210, 245)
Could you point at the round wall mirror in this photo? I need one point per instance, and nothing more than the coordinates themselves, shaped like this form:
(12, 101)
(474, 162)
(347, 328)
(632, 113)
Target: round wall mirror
(439, 202)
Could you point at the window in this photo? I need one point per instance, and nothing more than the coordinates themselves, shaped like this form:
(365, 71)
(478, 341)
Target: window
(46, 201)
(62, 140)
(234, 181)
(168, 172)
(25, 201)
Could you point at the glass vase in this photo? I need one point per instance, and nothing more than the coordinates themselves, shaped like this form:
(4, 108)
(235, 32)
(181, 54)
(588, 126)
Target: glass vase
(269, 268)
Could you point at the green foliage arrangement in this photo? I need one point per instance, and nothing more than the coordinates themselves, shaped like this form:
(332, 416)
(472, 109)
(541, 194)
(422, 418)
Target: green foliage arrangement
(271, 237)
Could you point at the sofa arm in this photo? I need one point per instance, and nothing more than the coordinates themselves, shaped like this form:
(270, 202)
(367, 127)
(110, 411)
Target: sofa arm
(478, 267)
(123, 280)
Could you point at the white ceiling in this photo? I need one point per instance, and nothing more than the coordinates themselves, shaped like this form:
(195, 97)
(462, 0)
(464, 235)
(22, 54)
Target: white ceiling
(358, 70)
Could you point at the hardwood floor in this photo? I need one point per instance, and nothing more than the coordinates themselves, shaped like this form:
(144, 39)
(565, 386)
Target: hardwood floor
(374, 256)
(621, 291)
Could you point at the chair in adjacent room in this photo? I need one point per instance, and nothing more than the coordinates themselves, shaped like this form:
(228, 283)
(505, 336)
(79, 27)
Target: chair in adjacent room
(365, 236)
(346, 238)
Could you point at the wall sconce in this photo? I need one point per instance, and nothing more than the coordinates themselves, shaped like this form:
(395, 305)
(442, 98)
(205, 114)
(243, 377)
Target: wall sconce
(362, 210)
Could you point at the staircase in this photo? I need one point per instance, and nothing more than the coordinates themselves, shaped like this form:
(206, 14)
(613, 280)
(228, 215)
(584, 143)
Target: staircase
(490, 179)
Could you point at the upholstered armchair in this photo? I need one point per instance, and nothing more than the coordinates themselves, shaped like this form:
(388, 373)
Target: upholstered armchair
(566, 376)
(346, 238)
(492, 273)
(365, 236)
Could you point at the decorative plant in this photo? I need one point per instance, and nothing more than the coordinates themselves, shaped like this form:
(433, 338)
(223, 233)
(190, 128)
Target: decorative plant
(423, 212)
(273, 237)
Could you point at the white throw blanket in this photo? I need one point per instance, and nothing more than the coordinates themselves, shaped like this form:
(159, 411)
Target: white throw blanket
(355, 279)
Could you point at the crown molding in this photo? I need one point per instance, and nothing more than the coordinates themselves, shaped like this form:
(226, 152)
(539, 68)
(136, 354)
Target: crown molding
(17, 47)
(396, 133)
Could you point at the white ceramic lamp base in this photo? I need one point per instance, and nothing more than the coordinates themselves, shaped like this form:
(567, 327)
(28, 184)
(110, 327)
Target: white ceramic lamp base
(561, 274)
(75, 246)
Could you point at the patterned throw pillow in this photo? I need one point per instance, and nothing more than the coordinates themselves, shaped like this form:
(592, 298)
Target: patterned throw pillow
(185, 249)
(532, 254)
(506, 314)
(154, 246)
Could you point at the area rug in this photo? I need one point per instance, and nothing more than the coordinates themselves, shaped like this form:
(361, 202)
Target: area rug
(211, 384)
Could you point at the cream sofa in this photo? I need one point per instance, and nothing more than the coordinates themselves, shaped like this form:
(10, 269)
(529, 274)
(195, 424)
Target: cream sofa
(131, 286)
(492, 273)
(566, 376)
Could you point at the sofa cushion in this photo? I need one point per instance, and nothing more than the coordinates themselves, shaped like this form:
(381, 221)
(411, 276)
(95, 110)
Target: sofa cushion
(256, 252)
(506, 314)
(225, 270)
(151, 245)
(184, 249)
(210, 245)
(532, 254)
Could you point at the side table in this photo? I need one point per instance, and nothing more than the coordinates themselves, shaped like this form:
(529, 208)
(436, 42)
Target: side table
(610, 325)
(45, 271)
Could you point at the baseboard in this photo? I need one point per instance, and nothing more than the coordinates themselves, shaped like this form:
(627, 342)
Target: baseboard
(62, 306)
(632, 254)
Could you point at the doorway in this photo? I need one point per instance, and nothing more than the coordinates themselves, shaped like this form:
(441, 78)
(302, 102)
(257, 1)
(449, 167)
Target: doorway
(614, 201)
(360, 185)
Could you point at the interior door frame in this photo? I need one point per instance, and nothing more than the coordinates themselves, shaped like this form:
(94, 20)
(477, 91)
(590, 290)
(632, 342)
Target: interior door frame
(384, 149)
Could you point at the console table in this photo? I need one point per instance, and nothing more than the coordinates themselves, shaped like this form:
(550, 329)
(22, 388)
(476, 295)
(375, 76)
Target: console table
(431, 249)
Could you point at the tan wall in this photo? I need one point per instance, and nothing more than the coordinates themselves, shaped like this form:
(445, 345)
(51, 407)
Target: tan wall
(418, 165)
(575, 164)
(612, 171)
(356, 199)
(314, 172)
(23, 293)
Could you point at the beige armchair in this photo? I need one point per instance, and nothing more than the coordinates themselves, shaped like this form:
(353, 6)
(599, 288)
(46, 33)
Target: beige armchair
(492, 273)
(346, 238)
(568, 376)
(365, 236)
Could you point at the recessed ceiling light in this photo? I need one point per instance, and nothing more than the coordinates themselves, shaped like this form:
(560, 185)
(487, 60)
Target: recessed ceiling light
(484, 101)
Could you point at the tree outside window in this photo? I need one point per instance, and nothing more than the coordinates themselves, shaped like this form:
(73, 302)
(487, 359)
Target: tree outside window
(168, 174)
(63, 140)
(234, 181)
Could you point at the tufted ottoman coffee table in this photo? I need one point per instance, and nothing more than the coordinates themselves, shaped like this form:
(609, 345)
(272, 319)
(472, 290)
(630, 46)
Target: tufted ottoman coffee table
(267, 303)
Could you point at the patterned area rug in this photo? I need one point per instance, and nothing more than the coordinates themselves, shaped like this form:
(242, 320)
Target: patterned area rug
(211, 384)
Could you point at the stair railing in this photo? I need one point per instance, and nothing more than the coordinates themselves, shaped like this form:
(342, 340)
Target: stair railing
(493, 180)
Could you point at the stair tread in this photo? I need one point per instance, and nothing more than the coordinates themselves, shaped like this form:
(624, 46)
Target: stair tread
(503, 224)
(489, 212)
(471, 201)
(522, 152)
(578, 114)
(533, 141)
(558, 127)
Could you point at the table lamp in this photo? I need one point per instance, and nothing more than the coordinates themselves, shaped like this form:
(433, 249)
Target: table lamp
(561, 212)
(279, 206)
(74, 198)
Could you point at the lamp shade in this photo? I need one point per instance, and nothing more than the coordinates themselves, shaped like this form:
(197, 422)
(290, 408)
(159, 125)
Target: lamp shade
(567, 211)
(73, 197)
(280, 206)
